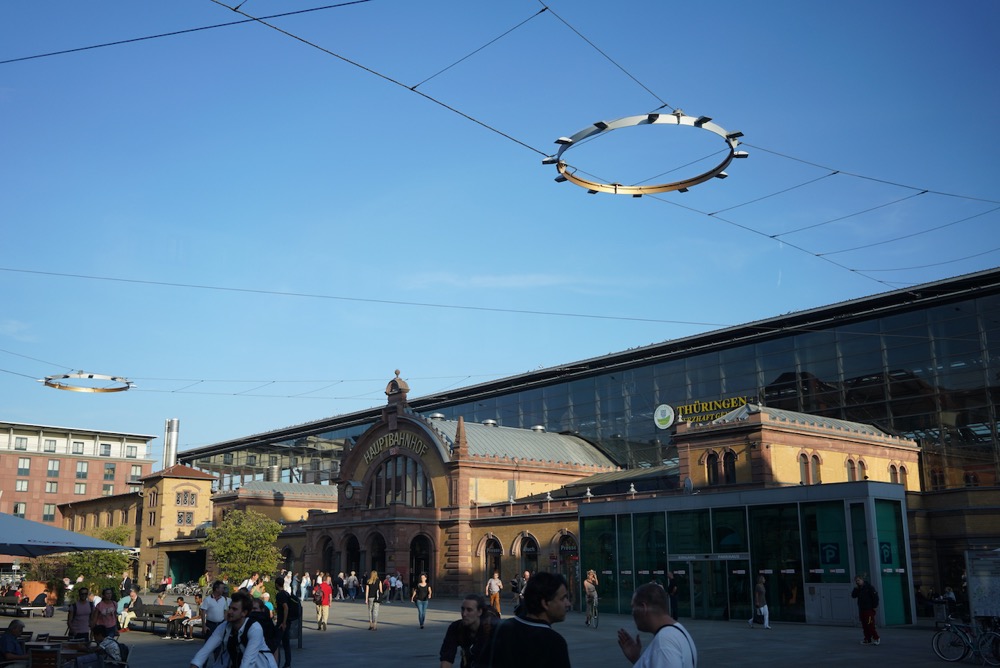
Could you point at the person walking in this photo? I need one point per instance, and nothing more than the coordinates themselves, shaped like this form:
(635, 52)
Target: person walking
(78, 617)
(421, 595)
(105, 613)
(282, 608)
(352, 585)
(867, 604)
(305, 586)
(493, 587)
(672, 645)
(760, 604)
(322, 593)
(672, 594)
(373, 593)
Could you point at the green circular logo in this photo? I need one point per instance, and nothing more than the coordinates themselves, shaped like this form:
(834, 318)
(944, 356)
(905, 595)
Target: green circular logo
(663, 416)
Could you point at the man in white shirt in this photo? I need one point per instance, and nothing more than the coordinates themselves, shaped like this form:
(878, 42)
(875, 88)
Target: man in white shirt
(671, 647)
(177, 622)
(237, 639)
(213, 608)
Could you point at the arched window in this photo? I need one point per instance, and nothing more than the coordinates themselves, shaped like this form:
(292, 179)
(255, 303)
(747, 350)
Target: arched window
(902, 476)
(729, 467)
(712, 468)
(803, 469)
(862, 470)
(852, 471)
(893, 474)
(937, 479)
(816, 477)
(402, 480)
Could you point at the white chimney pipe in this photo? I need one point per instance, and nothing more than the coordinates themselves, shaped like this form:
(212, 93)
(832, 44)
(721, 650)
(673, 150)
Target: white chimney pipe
(170, 431)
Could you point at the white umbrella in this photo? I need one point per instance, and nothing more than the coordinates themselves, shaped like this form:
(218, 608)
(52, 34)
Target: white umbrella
(23, 538)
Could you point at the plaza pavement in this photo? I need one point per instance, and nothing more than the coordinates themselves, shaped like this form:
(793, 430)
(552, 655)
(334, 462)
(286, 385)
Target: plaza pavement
(399, 641)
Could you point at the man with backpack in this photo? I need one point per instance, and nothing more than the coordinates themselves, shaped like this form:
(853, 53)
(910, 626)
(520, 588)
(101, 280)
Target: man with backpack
(322, 593)
(867, 604)
(239, 642)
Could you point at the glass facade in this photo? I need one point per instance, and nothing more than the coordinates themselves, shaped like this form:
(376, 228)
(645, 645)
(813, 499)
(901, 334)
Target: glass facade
(808, 552)
(922, 364)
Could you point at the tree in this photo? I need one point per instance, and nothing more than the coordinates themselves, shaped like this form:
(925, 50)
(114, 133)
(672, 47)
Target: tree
(244, 543)
(101, 563)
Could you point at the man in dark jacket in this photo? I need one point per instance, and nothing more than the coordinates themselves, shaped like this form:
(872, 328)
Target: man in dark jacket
(867, 603)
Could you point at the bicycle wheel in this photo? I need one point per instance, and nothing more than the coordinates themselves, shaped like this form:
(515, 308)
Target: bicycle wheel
(950, 645)
(989, 647)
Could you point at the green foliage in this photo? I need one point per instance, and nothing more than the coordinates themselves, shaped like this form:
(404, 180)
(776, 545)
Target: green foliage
(244, 543)
(99, 566)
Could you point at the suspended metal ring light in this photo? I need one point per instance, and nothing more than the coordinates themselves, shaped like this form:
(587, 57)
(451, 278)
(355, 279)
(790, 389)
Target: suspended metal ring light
(676, 118)
(53, 382)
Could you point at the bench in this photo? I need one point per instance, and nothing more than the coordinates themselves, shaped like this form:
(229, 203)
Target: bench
(149, 615)
(13, 603)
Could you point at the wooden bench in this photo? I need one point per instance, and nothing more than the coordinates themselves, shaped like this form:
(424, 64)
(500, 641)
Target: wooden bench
(149, 615)
(13, 603)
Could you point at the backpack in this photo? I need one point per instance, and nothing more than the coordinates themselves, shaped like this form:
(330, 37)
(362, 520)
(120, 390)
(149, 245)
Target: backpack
(318, 595)
(266, 625)
(294, 608)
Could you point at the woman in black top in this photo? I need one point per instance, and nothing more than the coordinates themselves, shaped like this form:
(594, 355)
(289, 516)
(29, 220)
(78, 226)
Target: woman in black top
(422, 593)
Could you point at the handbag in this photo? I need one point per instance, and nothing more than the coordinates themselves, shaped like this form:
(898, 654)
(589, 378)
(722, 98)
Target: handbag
(758, 616)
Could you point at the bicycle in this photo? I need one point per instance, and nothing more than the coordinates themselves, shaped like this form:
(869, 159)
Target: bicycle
(593, 611)
(957, 641)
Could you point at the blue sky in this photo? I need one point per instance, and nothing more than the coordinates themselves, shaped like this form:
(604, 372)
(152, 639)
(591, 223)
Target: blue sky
(257, 232)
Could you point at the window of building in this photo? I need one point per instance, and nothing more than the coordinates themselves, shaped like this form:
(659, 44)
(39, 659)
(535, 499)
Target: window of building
(251, 460)
(862, 470)
(105, 449)
(24, 466)
(971, 479)
(401, 480)
(180, 518)
(125, 516)
(852, 471)
(80, 488)
(729, 467)
(274, 460)
(20, 443)
(109, 471)
(20, 509)
(712, 468)
(81, 470)
(97, 520)
(135, 473)
(194, 499)
(815, 477)
(53, 470)
(131, 451)
(51, 487)
(227, 458)
(178, 498)
(77, 447)
(189, 519)
(49, 512)
(83, 522)
(803, 469)
(107, 490)
(902, 476)
(893, 474)
(110, 519)
(49, 445)
(152, 519)
(21, 486)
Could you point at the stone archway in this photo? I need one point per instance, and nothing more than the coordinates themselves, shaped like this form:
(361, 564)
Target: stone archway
(376, 554)
(352, 554)
(421, 558)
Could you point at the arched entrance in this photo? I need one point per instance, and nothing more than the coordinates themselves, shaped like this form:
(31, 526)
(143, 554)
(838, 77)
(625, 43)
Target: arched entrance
(569, 563)
(288, 558)
(492, 555)
(420, 558)
(376, 548)
(529, 554)
(353, 551)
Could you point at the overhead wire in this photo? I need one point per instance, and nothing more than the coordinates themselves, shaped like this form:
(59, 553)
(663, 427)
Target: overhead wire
(175, 33)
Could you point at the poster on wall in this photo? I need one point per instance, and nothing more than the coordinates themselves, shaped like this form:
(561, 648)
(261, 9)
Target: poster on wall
(983, 583)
